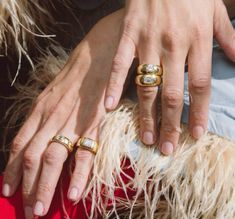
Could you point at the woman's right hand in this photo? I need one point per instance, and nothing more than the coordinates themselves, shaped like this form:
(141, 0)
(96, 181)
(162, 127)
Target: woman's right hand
(72, 105)
(168, 33)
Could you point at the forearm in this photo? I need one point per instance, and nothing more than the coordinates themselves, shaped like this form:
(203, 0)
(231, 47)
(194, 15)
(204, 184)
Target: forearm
(230, 5)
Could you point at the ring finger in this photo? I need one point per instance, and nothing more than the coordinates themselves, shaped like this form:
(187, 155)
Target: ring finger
(147, 97)
(84, 160)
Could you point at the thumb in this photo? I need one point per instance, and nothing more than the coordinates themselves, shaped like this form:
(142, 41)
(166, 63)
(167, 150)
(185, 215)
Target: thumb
(223, 30)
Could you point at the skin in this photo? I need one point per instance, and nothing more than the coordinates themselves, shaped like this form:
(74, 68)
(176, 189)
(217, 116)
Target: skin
(167, 33)
(64, 107)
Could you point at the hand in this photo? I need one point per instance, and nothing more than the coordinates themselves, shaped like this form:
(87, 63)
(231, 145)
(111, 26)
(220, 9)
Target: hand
(167, 33)
(72, 105)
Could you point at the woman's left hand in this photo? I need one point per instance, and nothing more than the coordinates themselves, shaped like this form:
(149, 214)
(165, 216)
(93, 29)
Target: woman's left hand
(167, 33)
(72, 106)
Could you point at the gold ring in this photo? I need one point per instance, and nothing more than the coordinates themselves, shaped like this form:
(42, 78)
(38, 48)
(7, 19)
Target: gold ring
(64, 141)
(149, 69)
(148, 80)
(88, 144)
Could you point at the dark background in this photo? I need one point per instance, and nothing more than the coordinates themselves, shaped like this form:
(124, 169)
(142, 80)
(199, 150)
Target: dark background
(71, 25)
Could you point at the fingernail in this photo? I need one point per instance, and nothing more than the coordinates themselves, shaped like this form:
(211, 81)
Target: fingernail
(198, 131)
(167, 148)
(38, 209)
(73, 194)
(148, 138)
(28, 212)
(109, 102)
(6, 190)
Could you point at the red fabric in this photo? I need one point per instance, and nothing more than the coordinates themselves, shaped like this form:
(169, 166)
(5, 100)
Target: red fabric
(12, 208)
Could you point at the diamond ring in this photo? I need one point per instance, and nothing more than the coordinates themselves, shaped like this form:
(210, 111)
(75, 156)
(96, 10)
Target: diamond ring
(149, 75)
(63, 141)
(88, 144)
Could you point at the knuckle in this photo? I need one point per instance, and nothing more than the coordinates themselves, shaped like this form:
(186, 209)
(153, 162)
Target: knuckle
(80, 175)
(115, 80)
(50, 157)
(130, 25)
(172, 40)
(147, 93)
(148, 120)
(83, 155)
(10, 174)
(201, 32)
(172, 98)
(146, 36)
(17, 145)
(200, 85)
(170, 130)
(26, 190)
(198, 116)
(30, 158)
(119, 64)
(44, 188)
(62, 109)
(38, 105)
(114, 84)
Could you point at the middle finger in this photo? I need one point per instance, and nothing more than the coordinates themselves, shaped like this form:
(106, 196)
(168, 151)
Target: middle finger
(53, 160)
(172, 101)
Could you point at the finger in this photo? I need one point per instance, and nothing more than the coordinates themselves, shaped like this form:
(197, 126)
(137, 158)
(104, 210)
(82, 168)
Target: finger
(13, 171)
(53, 160)
(199, 82)
(84, 161)
(223, 30)
(120, 67)
(147, 100)
(37, 146)
(172, 101)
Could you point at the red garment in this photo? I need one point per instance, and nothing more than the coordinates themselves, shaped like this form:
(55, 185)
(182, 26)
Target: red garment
(12, 208)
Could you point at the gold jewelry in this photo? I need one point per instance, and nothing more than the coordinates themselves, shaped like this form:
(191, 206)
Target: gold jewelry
(64, 141)
(149, 75)
(88, 144)
(149, 69)
(148, 80)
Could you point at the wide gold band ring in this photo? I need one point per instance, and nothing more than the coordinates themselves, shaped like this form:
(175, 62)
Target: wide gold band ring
(149, 69)
(149, 75)
(88, 144)
(63, 141)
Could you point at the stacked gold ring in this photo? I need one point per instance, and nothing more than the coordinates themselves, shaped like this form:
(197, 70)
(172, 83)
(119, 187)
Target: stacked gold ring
(88, 144)
(149, 75)
(63, 141)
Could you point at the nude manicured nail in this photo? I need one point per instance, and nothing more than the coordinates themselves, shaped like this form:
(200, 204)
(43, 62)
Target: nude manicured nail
(148, 138)
(109, 102)
(73, 194)
(167, 148)
(28, 212)
(198, 131)
(6, 190)
(38, 209)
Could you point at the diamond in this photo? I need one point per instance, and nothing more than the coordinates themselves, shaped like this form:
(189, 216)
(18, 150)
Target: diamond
(88, 143)
(148, 79)
(150, 68)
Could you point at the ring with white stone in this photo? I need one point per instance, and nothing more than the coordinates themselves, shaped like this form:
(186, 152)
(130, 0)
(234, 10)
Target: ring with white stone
(148, 80)
(149, 69)
(63, 141)
(87, 144)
